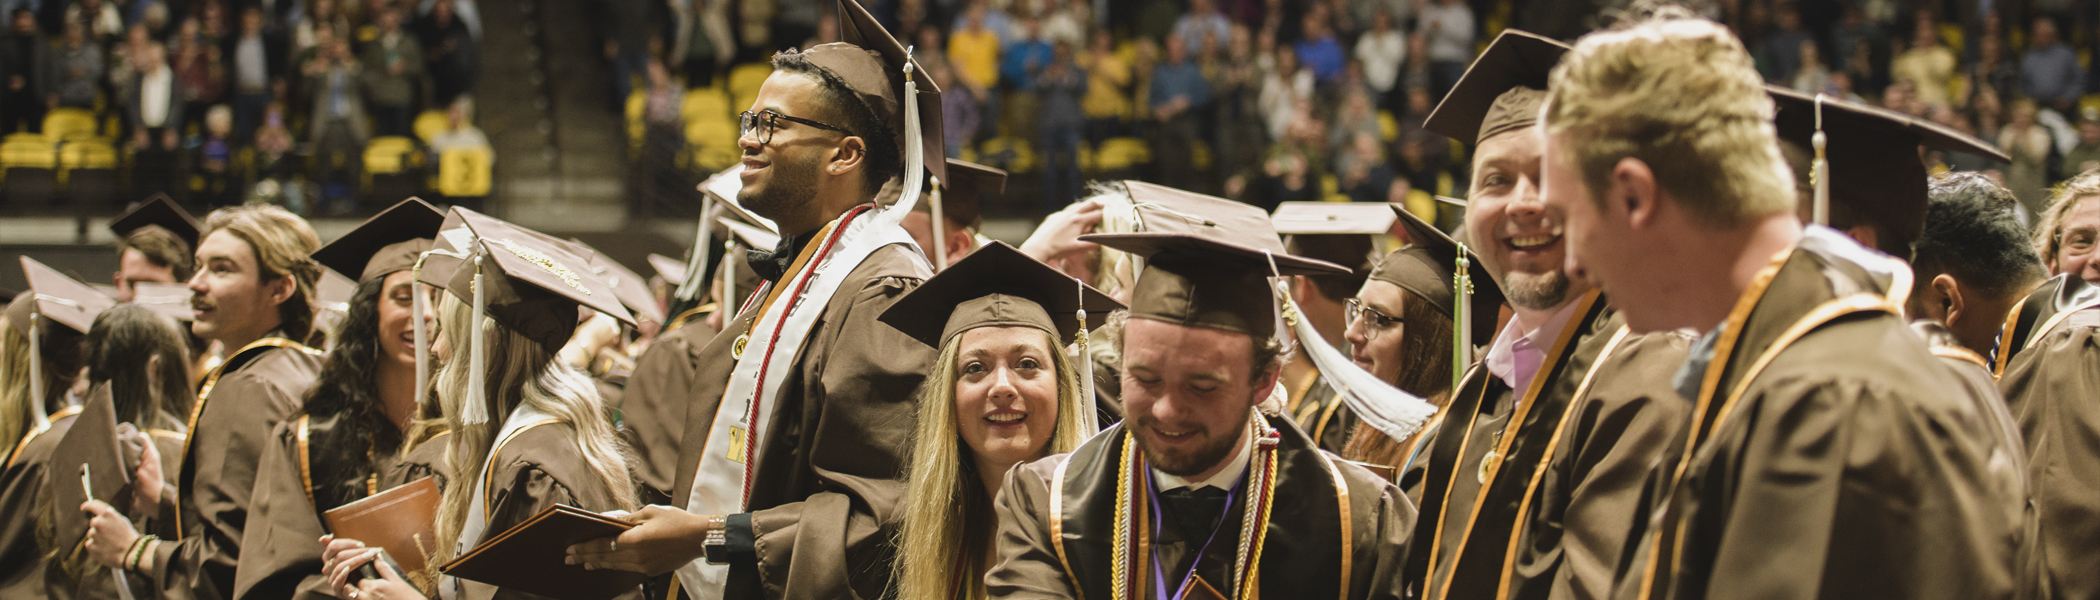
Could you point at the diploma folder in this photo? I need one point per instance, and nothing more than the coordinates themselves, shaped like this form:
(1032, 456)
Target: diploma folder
(531, 556)
(402, 520)
(90, 445)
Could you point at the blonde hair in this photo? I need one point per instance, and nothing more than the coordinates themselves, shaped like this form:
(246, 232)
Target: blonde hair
(520, 373)
(281, 242)
(948, 521)
(1118, 215)
(1680, 94)
(60, 366)
(2049, 233)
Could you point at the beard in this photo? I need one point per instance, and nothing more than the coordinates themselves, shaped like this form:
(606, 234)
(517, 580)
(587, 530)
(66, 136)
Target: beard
(1537, 291)
(1216, 447)
(789, 186)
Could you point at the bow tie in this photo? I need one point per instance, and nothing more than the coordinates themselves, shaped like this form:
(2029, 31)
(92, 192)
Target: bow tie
(1194, 510)
(772, 265)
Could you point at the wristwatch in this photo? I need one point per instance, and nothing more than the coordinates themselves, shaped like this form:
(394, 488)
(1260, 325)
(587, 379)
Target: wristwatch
(716, 544)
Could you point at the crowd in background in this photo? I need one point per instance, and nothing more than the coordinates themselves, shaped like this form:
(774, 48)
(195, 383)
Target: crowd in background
(1272, 100)
(218, 101)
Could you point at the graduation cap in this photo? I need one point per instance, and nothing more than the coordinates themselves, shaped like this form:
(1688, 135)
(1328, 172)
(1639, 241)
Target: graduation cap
(159, 211)
(871, 62)
(1501, 91)
(998, 286)
(1207, 268)
(1870, 159)
(724, 187)
(532, 283)
(962, 194)
(1424, 268)
(58, 299)
(171, 299)
(90, 455)
(751, 236)
(671, 269)
(1344, 233)
(632, 290)
(384, 244)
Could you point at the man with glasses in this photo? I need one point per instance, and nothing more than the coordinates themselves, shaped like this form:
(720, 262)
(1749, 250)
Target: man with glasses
(790, 462)
(1532, 478)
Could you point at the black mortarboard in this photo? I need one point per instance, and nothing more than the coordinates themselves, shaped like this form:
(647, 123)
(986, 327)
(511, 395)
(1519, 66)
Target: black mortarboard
(533, 283)
(628, 285)
(60, 299)
(1208, 260)
(997, 286)
(386, 243)
(871, 61)
(1423, 268)
(1874, 166)
(161, 211)
(1501, 91)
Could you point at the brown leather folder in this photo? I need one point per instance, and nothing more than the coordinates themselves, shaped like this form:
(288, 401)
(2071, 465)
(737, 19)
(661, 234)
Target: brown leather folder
(531, 556)
(402, 520)
(90, 443)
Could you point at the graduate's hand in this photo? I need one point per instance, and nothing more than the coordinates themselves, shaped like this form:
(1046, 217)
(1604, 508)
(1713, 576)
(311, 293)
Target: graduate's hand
(109, 534)
(146, 483)
(389, 585)
(335, 549)
(1058, 236)
(662, 540)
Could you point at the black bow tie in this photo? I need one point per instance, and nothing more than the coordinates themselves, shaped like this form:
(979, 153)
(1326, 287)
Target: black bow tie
(772, 265)
(1194, 510)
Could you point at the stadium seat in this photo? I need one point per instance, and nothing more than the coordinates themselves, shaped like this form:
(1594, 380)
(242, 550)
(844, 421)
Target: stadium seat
(87, 168)
(1115, 154)
(465, 173)
(431, 123)
(636, 103)
(387, 155)
(744, 81)
(1388, 127)
(62, 123)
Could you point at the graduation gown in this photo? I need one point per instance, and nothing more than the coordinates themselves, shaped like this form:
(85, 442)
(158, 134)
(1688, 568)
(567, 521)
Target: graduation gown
(280, 554)
(829, 479)
(23, 500)
(2051, 386)
(1830, 455)
(1323, 416)
(98, 584)
(1336, 530)
(652, 411)
(243, 402)
(1492, 438)
(539, 467)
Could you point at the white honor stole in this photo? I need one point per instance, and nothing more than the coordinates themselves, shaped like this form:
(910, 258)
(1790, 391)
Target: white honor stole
(718, 488)
(477, 523)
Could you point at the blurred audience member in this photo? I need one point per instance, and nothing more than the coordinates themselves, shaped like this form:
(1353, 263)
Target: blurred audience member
(257, 66)
(1108, 88)
(391, 65)
(1179, 94)
(2049, 71)
(449, 53)
(22, 65)
(1318, 50)
(1927, 66)
(2028, 144)
(75, 69)
(1448, 27)
(1060, 86)
(155, 106)
(1382, 50)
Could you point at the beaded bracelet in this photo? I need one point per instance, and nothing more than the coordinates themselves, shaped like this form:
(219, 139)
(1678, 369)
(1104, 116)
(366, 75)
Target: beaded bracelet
(137, 552)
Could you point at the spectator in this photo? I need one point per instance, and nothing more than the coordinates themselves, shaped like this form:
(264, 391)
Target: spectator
(973, 49)
(214, 157)
(1021, 60)
(626, 45)
(1356, 116)
(2086, 155)
(1420, 154)
(257, 68)
(1362, 170)
(1782, 45)
(1812, 76)
(1991, 69)
(1178, 95)
(1202, 21)
(663, 185)
(2028, 144)
(960, 118)
(391, 65)
(336, 125)
(197, 67)
(102, 19)
(704, 46)
(1060, 86)
(272, 141)
(988, 18)
(1318, 50)
(449, 52)
(1286, 177)
(155, 108)
(460, 132)
(22, 66)
(121, 70)
(1108, 88)
(322, 16)
(1382, 50)
(2049, 72)
(1927, 66)
(75, 69)
(1281, 90)
(1067, 21)
(1242, 133)
(1448, 27)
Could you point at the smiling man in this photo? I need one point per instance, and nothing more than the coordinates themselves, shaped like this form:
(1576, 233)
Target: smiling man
(790, 470)
(254, 294)
(1532, 475)
(1198, 493)
(1827, 454)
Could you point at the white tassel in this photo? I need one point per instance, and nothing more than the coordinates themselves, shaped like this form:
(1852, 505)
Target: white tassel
(696, 262)
(1819, 172)
(475, 410)
(422, 334)
(940, 233)
(1391, 410)
(914, 151)
(36, 369)
(1088, 417)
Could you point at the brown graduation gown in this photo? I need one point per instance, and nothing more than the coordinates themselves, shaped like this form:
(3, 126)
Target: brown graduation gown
(1322, 415)
(1577, 518)
(280, 549)
(1485, 419)
(652, 412)
(230, 430)
(2053, 390)
(1057, 519)
(1848, 463)
(1974, 372)
(23, 497)
(829, 479)
(97, 584)
(539, 467)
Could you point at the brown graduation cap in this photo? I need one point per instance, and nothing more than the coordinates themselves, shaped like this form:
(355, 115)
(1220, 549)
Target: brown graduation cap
(671, 269)
(963, 192)
(1207, 261)
(1344, 233)
(161, 211)
(58, 298)
(628, 285)
(997, 286)
(1875, 170)
(384, 244)
(871, 62)
(534, 282)
(1423, 268)
(171, 299)
(1501, 91)
(91, 443)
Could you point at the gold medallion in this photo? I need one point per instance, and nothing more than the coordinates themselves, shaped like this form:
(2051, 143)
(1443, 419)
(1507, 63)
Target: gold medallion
(736, 351)
(1487, 464)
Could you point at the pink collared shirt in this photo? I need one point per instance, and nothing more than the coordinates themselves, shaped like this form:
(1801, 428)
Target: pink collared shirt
(1517, 355)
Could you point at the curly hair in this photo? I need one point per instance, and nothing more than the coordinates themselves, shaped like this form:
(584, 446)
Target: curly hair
(1972, 234)
(344, 391)
(885, 150)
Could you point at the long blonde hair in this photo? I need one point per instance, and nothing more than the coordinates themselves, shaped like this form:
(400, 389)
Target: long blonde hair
(947, 517)
(521, 372)
(61, 365)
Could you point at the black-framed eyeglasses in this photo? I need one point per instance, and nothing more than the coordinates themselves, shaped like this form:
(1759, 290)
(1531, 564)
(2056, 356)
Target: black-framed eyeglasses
(1374, 322)
(766, 121)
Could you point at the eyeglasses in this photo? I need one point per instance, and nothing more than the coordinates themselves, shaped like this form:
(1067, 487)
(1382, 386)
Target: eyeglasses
(766, 121)
(2078, 242)
(1374, 323)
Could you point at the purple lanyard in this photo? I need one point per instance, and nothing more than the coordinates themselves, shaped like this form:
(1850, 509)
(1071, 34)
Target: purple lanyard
(1159, 576)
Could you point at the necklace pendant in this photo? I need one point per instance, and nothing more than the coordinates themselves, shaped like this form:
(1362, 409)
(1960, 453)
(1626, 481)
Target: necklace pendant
(736, 351)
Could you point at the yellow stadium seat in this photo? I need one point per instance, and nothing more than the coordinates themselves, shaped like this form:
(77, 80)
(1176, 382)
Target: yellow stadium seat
(85, 154)
(28, 152)
(465, 172)
(1121, 153)
(1388, 127)
(1023, 155)
(705, 103)
(1328, 185)
(744, 81)
(61, 123)
(431, 123)
(636, 103)
(387, 155)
